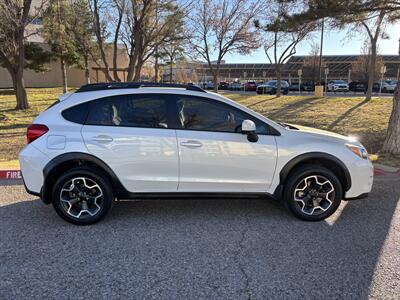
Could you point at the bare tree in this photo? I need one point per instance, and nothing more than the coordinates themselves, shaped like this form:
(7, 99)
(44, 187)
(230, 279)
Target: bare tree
(100, 28)
(221, 27)
(282, 36)
(148, 24)
(373, 23)
(360, 68)
(15, 16)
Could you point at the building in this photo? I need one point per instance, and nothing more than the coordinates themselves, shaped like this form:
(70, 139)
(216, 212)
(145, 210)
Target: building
(339, 66)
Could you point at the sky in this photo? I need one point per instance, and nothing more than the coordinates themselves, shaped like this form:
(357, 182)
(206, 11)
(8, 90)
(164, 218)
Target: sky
(335, 43)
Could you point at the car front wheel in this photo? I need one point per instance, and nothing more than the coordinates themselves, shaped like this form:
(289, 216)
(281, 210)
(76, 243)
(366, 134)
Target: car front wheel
(313, 193)
(82, 196)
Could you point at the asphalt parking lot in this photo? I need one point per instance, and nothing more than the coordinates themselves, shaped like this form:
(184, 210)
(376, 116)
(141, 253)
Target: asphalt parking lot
(202, 249)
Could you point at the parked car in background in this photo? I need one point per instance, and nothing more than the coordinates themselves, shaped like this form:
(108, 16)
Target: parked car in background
(270, 87)
(149, 140)
(338, 86)
(379, 86)
(294, 86)
(209, 85)
(308, 87)
(392, 86)
(235, 86)
(358, 86)
(250, 86)
(223, 85)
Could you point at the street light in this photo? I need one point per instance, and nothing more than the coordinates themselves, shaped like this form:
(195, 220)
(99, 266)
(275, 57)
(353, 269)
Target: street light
(326, 79)
(300, 72)
(383, 71)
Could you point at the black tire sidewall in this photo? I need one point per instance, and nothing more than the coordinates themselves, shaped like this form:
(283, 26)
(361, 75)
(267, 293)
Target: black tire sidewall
(96, 176)
(300, 174)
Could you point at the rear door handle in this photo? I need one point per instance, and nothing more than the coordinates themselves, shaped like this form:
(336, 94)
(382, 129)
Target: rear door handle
(102, 139)
(191, 144)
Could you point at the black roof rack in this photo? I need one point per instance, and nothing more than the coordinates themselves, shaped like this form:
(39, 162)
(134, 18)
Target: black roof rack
(134, 85)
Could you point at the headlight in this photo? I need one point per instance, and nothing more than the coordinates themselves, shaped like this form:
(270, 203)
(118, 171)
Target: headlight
(358, 150)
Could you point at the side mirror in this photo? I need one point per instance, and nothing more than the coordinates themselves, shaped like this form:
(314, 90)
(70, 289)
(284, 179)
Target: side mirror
(249, 128)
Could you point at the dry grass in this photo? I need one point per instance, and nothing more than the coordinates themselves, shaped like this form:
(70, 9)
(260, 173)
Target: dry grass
(345, 115)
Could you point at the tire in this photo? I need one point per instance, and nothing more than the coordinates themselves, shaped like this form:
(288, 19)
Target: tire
(95, 199)
(322, 206)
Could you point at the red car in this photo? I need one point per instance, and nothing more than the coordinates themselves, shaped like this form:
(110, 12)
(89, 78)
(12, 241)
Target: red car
(250, 86)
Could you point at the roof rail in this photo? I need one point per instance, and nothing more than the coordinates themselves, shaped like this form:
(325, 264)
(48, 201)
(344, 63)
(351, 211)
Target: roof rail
(135, 85)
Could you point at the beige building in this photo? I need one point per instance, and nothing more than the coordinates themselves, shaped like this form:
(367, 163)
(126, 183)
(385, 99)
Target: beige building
(52, 77)
(75, 76)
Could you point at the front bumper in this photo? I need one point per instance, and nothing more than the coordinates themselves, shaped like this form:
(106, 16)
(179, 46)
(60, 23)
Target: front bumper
(362, 179)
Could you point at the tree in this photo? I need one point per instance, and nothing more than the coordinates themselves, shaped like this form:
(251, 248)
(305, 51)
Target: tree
(16, 53)
(83, 35)
(362, 15)
(282, 36)
(148, 24)
(360, 68)
(59, 35)
(221, 27)
(311, 64)
(98, 9)
(171, 53)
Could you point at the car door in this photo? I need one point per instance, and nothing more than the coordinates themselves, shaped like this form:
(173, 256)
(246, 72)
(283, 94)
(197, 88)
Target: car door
(131, 134)
(214, 155)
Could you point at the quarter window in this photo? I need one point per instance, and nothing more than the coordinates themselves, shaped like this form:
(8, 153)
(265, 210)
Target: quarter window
(195, 113)
(148, 111)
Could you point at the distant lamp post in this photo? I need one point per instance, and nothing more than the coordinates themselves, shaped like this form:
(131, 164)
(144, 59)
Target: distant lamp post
(300, 72)
(326, 79)
(383, 71)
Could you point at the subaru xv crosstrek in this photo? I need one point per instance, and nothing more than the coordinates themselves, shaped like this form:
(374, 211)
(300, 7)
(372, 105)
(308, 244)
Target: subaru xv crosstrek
(107, 142)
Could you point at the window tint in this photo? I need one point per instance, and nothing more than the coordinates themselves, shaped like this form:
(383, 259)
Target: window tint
(76, 114)
(201, 114)
(148, 111)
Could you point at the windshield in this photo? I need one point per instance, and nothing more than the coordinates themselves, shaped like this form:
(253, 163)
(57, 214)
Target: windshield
(339, 81)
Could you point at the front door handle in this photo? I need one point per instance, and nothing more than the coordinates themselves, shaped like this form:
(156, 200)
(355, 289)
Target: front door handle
(102, 138)
(191, 144)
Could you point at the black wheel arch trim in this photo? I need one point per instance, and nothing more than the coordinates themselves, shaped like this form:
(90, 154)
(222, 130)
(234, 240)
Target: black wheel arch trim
(71, 156)
(307, 156)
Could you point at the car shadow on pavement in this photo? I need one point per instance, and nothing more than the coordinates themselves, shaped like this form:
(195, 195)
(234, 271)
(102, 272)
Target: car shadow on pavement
(180, 249)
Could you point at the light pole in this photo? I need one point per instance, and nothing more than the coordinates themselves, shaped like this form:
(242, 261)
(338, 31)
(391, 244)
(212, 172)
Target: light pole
(326, 79)
(300, 72)
(383, 71)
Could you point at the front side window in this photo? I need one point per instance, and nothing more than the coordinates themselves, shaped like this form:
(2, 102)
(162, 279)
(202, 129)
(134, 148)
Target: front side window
(195, 113)
(147, 111)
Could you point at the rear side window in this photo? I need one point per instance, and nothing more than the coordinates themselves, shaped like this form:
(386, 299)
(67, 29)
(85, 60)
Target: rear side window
(146, 111)
(77, 114)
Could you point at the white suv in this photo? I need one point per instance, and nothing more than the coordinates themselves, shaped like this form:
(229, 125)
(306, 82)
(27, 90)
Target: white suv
(338, 86)
(136, 141)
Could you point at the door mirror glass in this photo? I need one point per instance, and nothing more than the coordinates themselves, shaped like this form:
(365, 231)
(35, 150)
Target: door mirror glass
(248, 126)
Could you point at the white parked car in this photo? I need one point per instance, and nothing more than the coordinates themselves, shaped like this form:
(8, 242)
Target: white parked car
(338, 86)
(130, 140)
(390, 87)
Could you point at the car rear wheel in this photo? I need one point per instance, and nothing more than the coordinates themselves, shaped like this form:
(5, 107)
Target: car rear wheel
(82, 196)
(313, 193)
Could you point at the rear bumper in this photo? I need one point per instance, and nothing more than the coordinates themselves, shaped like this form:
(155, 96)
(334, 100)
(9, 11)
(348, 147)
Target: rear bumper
(32, 162)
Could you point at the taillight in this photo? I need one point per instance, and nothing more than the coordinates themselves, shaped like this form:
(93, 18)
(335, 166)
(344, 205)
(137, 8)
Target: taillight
(35, 131)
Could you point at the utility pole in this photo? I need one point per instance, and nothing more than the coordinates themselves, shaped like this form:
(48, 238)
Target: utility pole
(320, 51)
